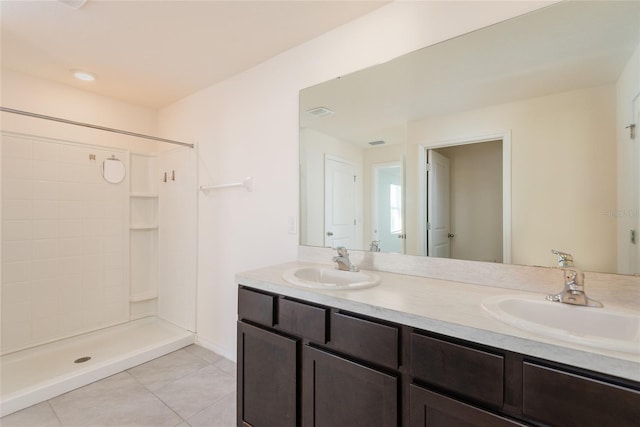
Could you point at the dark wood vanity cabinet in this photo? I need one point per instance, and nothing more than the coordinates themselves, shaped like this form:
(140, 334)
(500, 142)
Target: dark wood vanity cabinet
(301, 364)
(456, 383)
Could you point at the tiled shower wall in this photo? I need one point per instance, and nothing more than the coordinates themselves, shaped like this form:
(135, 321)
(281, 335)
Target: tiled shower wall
(64, 241)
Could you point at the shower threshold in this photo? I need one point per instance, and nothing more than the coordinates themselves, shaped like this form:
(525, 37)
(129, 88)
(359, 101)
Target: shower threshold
(40, 373)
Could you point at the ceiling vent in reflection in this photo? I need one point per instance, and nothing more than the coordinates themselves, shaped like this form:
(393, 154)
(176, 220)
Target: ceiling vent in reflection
(74, 4)
(320, 112)
(376, 142)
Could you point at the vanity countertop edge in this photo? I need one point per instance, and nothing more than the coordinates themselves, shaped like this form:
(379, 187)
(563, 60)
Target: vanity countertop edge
(444, 307)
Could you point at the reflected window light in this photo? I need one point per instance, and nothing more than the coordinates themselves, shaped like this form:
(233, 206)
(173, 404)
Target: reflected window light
(395, 208)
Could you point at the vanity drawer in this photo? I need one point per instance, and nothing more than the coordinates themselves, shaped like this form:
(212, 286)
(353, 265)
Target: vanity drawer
(303, 319)
(367, 340)
(560, 398)
(462, 370)
(256, 306)
(427, 408)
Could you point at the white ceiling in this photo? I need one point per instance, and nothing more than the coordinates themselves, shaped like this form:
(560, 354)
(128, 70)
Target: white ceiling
(153, 52)
(567, 46)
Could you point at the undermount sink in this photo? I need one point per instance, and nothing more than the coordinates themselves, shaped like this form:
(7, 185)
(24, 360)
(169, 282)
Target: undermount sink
(606, 328)
(330, 278)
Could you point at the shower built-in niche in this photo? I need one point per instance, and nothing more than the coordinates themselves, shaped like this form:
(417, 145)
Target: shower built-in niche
(143, 235)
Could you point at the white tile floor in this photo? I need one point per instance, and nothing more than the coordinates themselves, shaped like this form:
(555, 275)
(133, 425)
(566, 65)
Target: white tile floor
(189, 387)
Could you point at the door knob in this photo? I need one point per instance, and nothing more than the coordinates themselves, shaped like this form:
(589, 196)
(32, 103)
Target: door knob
(451, 236)
(329, 233)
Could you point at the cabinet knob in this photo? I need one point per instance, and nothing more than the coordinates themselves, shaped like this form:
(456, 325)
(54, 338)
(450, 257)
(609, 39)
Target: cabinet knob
(329, 233)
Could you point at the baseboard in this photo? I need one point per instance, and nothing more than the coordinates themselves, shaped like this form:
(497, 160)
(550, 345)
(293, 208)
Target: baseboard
(223, 351)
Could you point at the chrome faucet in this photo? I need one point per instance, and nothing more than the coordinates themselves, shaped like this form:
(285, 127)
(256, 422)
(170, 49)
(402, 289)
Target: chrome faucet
(343, 260)
(573, 292)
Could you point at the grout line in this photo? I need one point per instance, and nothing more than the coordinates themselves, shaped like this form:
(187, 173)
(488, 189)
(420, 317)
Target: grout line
(54, 412)
(195, 353)
(156, 396)
(215, 402)
(158, 358)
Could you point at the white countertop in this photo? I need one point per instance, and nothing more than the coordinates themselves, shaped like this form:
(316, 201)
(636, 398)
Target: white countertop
(449, 308)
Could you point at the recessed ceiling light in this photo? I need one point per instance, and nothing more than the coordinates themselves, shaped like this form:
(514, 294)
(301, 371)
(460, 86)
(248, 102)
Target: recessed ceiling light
(83, 75)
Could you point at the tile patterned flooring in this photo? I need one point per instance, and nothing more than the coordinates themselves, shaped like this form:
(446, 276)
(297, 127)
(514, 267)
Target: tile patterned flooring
(189, 387)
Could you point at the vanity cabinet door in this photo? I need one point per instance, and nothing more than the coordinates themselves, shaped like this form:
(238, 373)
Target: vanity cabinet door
(429, 409)
(267, 382)
(558, 398)
(341, 393)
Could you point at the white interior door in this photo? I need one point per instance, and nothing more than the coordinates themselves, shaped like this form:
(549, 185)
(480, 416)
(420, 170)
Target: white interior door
(340, 203)
(438, 206)
(635, 267)
(388, 228)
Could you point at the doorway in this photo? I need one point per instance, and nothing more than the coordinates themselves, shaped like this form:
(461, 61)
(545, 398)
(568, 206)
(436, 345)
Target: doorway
(465, 199)
(388, 216)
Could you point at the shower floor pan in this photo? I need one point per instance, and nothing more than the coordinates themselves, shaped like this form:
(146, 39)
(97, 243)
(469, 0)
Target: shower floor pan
(37, 374)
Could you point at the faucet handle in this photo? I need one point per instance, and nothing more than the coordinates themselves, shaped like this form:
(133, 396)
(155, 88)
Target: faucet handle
(574, 279)
(564, 259)
(342, 251)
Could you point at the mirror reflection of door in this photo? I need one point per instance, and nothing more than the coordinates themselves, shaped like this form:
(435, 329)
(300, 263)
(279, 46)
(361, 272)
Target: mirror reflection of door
(340, 203)
(465, 201)
(388, 224)
(635, 219)
(438, 205)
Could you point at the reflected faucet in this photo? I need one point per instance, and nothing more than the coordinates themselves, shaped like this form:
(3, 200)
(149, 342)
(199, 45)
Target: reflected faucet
(573, 292)
(343, 260)
(564, 259)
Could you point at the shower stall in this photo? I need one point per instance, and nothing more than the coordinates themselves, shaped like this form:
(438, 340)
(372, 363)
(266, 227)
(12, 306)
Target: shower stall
(98, 260)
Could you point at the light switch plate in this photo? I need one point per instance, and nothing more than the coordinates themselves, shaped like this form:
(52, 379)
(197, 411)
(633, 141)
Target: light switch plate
(292, 225)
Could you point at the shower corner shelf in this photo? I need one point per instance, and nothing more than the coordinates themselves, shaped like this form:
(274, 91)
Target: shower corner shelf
(143, 297)
(144, 227)
(143, 195)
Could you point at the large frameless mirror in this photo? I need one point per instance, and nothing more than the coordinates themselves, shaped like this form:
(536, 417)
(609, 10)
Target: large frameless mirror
(496, 146)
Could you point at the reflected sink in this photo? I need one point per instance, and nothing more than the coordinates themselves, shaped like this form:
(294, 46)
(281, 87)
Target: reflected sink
(606, 328)
(330, 278)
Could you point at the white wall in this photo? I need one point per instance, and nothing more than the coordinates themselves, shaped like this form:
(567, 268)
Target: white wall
(314, 146)
(559, 143)
(248, 125)
(23, 92)
(177, 237)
